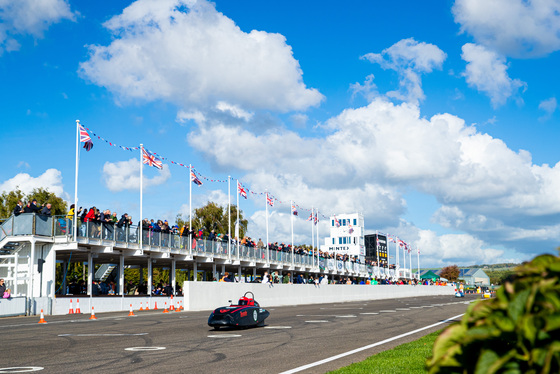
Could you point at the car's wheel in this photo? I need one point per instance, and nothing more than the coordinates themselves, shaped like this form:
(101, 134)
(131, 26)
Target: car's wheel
(216, 327)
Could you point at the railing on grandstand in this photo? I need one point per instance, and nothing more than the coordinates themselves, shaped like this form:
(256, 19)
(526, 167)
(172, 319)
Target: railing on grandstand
(35, 224)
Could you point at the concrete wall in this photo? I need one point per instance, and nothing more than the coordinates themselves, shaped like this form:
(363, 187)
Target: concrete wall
(211, 295)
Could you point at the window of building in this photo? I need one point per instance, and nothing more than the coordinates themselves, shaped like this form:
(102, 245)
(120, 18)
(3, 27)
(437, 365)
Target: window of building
(355, 222)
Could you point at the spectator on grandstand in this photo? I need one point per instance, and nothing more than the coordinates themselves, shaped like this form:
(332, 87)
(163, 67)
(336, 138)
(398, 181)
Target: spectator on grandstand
(167, 290)
(287, 279)
(2, 286)
(31, 207)
(260, 244)
(266, 278)
(225, 278)
(19, 208)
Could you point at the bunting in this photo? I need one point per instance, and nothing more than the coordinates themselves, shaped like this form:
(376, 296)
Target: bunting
(294, 210)
(269, 200)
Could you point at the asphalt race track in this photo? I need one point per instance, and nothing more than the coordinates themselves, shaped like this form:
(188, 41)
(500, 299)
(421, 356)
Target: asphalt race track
(181, 342)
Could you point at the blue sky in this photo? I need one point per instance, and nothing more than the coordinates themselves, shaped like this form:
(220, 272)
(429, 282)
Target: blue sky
(438, 121)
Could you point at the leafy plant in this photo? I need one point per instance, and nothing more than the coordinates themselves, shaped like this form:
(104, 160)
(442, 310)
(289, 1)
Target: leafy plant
(516, 332)
(451, 273)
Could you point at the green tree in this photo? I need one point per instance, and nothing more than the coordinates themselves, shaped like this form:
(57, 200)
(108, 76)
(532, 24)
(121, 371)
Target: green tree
(451, 273)
(214, 217)
(8, 201)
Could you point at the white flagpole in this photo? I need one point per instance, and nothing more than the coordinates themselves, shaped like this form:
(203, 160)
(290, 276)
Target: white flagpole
(238, 222)
(317, 230)
(398, 264)
(266, 206)
(75, 218)
(190, 211)
(312, 235)
(141, 192)
(404, 260)
(229, 212)
(410, 261)
(292, 224)
(418, 257)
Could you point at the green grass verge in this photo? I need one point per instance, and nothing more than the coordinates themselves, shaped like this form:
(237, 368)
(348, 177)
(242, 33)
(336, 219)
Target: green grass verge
(405, 358)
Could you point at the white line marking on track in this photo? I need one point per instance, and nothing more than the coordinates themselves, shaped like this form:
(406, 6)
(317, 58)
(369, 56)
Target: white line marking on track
(144, 349)
(317, 363)
(317, 321)
(388, 311)
(340, 308)
(224, 336)
(278, 327)
(142, 333)
(369, 313)
(348, 316)
(22, 369)
(403, 308)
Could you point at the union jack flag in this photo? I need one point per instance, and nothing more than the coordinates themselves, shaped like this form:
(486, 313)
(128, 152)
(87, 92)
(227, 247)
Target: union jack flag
(150, 159)
(310, 217)
(294, 210)
(241, 190)
(269, 200)
(401, 243)
(85, 138)
(195, 180)
(336, 222)
(316, 218)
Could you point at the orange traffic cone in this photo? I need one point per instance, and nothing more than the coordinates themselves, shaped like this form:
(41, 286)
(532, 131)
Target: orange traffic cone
(178, 309)
(141, 306)
(92, 314)
(131, 313)
(78, 311)
(148, 305)
(171, 306)
(182, 305)
(155, 308)
(165, 309)
(71, 311)
(42, 320)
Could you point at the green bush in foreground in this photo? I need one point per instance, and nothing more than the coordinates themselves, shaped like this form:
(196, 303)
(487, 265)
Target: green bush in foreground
(407, 358)
(516, 332)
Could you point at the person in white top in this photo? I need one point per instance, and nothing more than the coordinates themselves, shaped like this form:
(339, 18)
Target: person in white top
(265, 278)
(325, 279)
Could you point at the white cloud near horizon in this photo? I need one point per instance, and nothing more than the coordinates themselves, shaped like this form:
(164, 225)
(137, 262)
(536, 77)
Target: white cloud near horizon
(188, 53)
(409, 59)
(21, 18)
(487, 72)
(373, 154)
(125, 175)
(51, 180)
(516, 28)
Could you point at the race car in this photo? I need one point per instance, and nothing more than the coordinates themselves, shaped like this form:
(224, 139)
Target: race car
(459, 294)
(246, 313)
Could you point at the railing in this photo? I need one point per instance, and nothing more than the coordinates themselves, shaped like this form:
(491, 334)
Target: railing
(34, 224)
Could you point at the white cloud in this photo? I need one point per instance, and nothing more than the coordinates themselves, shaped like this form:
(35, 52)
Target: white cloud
(188, 53)
(517, 28)
(29, 17)
(409, 59)
(374, 153)
(125, 175)
(51, 180)
(549, 107)
(234, 110)
(487, 72)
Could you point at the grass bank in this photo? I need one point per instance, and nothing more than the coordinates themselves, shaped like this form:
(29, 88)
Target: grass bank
(405, 358)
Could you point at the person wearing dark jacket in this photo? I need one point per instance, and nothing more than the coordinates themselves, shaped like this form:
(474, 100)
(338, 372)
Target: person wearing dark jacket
(46, 211)
(122, 224)
(32, 207)
(18, 209)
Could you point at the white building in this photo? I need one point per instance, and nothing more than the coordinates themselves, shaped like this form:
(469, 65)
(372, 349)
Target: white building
(347, 235)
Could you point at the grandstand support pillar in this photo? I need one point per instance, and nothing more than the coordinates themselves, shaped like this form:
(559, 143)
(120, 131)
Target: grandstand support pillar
(150, 276)
(239, 273)
(121, 275)
(214, 275)
(223, 269)
(64, 267)
(172, 274)
(254, 273)
(89, 275)
(31, 272)
(195, 272)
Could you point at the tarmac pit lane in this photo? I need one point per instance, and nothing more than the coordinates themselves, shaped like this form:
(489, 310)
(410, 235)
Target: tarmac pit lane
(22, 369)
